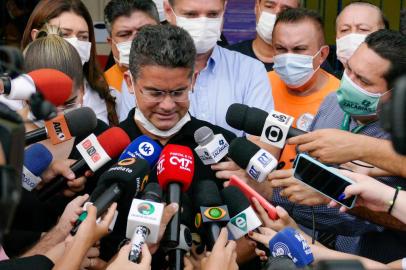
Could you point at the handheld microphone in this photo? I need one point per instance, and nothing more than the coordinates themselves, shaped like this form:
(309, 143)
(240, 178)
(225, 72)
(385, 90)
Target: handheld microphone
(243, 217)
(76, 123)
(257, 162)
(36, 160)
(145, 148)
(175, 173)
(211, 148)
(95, 152)
(144, 220)
(274, 128)
(124, 179)
(291, 243)
(54, 85)
(212, 212)
(176, 254)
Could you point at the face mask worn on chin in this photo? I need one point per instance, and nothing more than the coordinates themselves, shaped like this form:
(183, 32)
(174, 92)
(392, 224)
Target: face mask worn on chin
(139, 116)
(82, 47)
(354, 100)
(347, 45)
(265, 26)
(204, 31)
(295, 69)
(124, 49)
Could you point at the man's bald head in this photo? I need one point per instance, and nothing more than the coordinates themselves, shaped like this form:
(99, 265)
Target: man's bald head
(360, 14)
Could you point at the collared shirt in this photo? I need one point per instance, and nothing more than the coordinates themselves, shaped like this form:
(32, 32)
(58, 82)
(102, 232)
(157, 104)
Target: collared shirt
(229, 77)
(355, 235)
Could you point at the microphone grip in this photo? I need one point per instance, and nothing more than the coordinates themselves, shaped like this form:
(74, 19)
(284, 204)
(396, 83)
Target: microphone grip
(112, 194)
(176, 259)
(138, 239)
(214, 232)
(35, 136)
(60, 183)
(293, 132)
(171, 238)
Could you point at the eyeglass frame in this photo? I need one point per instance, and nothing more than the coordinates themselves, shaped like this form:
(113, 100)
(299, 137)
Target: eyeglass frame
(163, 96)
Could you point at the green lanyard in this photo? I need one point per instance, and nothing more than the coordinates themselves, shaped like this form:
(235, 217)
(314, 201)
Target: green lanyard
(345, 125)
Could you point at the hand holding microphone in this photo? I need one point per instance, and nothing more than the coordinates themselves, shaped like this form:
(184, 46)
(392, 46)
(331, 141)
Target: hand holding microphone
(223, 255)
(287, 242)
(120, 183)
(96, 152)
(122, 262)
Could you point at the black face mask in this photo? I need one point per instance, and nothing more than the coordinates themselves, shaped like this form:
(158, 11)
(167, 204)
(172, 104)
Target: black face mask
(392, 116)
(9, 196)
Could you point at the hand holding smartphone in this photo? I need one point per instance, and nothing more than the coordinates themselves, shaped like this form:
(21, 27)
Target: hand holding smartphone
(325, 180)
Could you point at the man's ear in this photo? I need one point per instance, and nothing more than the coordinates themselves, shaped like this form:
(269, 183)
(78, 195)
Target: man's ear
(325, 50)
(34, 33)
(170, 17)
(129, 82)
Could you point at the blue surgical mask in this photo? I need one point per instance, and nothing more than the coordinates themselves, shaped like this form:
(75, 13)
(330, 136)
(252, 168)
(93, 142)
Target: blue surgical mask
(295, 69)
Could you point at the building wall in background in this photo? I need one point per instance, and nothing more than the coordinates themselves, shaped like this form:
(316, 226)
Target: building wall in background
(239, 23)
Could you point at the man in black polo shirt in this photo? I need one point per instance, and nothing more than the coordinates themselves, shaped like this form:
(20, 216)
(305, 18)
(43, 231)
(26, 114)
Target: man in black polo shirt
(161, 75)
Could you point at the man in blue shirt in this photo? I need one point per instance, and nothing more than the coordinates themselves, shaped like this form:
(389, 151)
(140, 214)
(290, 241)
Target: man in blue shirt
(223, 77)
(369, 77)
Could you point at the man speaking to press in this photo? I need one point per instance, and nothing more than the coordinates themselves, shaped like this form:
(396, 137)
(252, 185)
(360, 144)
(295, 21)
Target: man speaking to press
(160, 77)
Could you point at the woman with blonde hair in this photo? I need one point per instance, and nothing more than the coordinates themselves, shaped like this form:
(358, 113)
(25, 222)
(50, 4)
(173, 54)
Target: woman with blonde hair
(76, 24)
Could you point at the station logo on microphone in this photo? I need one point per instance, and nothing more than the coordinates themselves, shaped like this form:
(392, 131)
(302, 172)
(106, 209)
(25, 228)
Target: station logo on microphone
(146, 209)
(146, 149)
(240, 221)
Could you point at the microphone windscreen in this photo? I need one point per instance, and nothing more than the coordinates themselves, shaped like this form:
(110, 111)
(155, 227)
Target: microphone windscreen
(254, 121)
(130, 174)
(143, 147)
(114, 141)
(37, 158)
(81, 122)
(236, 114)
(176, 165)
(152, 192)
(203, 135)
(242, 117)
(125, 171)
(206, 194)
(54, 85)
(235, 200)
(241, 151)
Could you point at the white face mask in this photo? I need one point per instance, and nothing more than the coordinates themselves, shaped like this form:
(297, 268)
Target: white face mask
(295, 69)
(124, 49)
(82, 47)
(347, 45)
(204, 31)
(265, 26)
(139, 116)
(160, 7)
